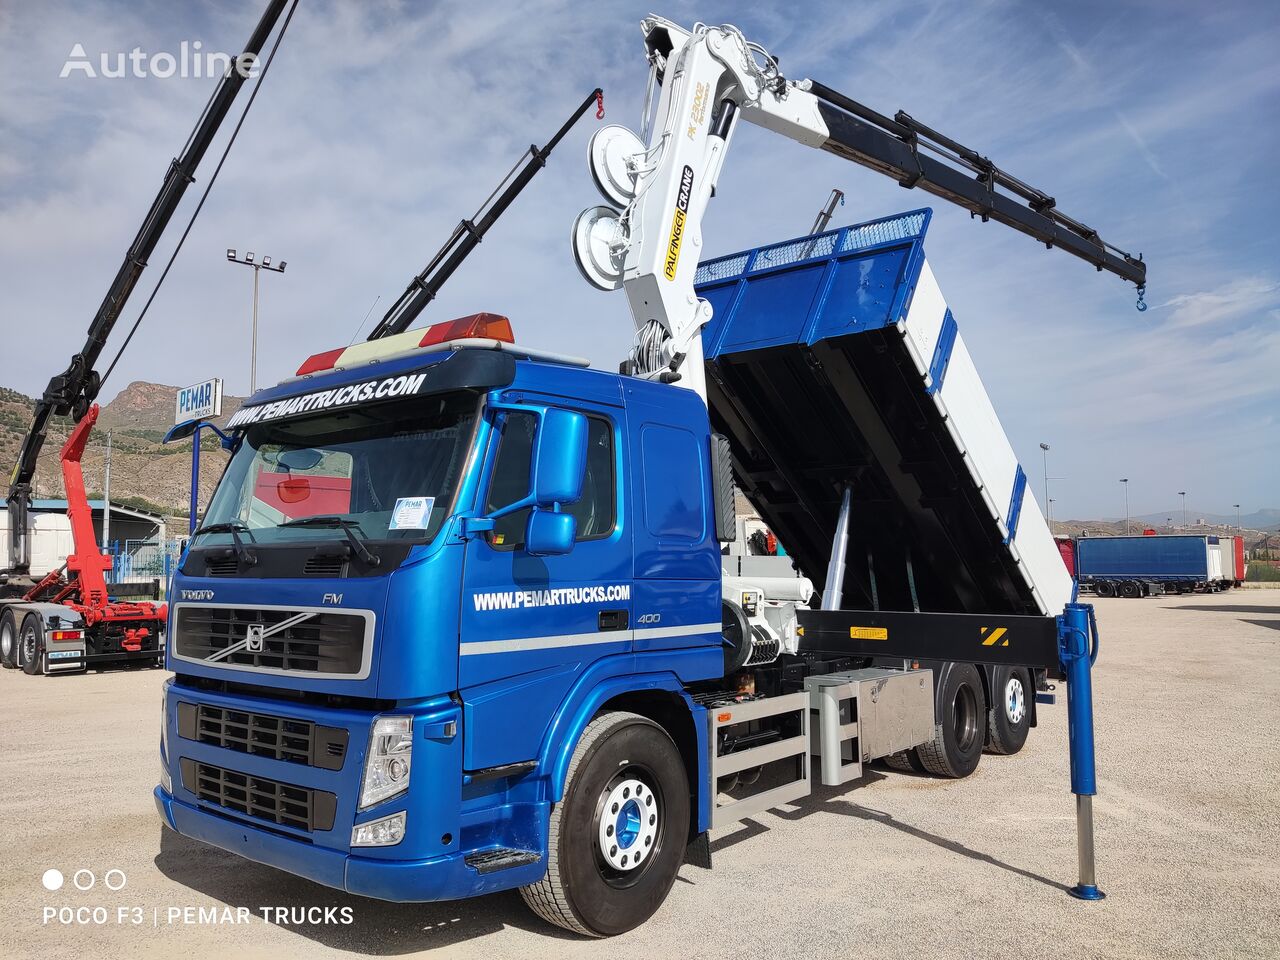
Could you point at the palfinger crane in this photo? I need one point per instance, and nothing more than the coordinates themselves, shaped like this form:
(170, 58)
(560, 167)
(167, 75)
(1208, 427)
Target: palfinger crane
(712, 77)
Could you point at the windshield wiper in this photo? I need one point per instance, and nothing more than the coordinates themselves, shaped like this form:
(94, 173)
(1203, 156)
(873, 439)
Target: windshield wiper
(243, 553)
(338, 523)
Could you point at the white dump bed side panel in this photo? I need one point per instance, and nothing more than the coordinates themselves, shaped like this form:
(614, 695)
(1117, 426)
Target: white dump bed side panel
(924, 321)
(972, 418)
(1040, 558)
(978, 434)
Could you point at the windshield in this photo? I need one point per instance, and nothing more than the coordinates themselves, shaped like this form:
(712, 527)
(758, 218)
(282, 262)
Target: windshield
(390, 472)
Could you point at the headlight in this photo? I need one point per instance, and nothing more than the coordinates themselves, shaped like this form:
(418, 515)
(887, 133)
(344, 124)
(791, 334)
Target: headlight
(386, 832)
(386, 766)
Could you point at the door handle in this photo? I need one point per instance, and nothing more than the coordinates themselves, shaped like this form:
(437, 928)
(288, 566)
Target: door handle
(613, 620)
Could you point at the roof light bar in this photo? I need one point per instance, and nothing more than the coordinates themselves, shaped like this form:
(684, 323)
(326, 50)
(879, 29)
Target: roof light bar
(478, 326)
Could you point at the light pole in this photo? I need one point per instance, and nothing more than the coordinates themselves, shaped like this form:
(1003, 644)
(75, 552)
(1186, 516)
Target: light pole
(1183, 495)
(1237, 506)
(1125, 481)
(264, 264)
(1044, 451)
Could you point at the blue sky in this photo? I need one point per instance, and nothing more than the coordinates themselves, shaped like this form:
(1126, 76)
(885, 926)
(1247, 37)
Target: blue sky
(381, 124)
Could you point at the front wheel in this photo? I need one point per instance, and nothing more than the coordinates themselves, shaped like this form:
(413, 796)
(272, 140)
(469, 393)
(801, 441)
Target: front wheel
(617, 839)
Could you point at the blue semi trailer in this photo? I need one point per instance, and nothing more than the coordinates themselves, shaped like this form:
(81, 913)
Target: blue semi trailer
(1143, 566)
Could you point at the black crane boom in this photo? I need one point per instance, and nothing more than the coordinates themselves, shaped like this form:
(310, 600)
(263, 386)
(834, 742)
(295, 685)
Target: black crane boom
(467, 234)
(963, 176)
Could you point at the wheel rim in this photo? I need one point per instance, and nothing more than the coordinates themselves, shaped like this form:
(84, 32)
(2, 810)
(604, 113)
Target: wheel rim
(965, 718)
(1015, 703)
(628, 826)
(6, 641)
(28, 644)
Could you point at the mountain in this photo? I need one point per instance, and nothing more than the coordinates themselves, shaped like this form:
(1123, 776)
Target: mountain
(1115, 528)
(143, 470)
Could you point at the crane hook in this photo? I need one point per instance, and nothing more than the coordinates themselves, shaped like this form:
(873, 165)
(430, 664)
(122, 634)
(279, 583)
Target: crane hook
(1142, 303)
(599, 104)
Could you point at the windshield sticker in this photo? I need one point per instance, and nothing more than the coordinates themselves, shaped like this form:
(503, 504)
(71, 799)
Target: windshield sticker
(412, 513)
(402, 386)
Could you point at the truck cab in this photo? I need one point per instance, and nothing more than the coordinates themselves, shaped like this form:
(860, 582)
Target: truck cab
(420, 579)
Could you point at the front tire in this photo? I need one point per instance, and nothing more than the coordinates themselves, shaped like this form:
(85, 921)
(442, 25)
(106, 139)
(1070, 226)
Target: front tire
(958, 737)
(31, 645)
(8, 639)
(1008, 720)
(617, 839)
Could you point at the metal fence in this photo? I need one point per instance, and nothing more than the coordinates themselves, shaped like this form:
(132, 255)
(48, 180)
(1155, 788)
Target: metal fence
(134, 561)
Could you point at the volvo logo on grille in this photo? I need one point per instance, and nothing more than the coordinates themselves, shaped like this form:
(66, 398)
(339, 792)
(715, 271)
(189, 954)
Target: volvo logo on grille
(255, 634)
(253, 638)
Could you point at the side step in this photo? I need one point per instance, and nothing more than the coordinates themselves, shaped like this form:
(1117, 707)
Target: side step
(500, 858)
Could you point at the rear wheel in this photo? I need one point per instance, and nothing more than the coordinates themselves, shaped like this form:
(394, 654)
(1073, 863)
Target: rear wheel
(1008, 720)
(617, 838)
(1130, 590)
(1104, 588)
(8, 639)
(31, 644)
(958, 737)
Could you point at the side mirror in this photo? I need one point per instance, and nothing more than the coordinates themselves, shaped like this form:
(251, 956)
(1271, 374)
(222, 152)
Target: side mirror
(560, 458)
(549, 534)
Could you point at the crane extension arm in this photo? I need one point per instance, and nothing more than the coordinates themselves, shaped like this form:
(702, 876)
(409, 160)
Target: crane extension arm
(73, 391)
(467, 234)
(711, 77)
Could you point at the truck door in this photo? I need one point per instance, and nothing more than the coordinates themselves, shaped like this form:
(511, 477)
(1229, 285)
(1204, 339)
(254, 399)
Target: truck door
(530, 624)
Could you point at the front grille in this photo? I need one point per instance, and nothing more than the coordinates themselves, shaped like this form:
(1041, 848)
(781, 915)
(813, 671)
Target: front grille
(264, 735)
(258, 797)
(302, 641)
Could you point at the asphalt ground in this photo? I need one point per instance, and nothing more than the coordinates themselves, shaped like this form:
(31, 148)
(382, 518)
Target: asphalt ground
(1187, 812)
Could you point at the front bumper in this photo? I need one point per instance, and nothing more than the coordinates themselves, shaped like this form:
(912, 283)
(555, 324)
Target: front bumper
(439, 878)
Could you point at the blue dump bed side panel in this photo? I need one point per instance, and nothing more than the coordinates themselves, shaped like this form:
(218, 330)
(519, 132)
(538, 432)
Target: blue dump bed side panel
(1152, 558)
(834, 360)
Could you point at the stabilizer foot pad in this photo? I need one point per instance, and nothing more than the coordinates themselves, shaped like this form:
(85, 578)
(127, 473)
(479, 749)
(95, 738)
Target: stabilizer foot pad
(1082, 892)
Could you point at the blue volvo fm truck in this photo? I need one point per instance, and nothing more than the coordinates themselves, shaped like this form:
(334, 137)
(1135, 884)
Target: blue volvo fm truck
(458, 618)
